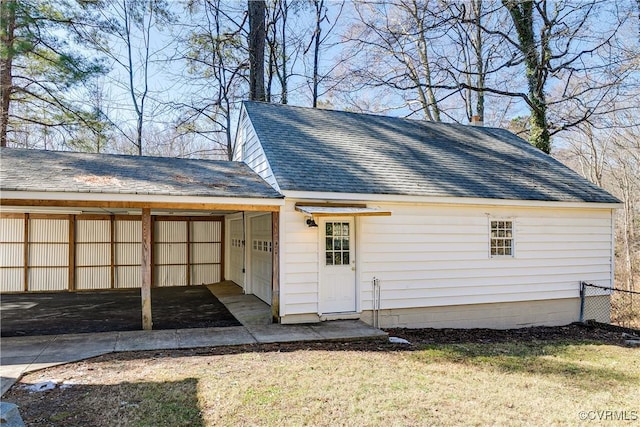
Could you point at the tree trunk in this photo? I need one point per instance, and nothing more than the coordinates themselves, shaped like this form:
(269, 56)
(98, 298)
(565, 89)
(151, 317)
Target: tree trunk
(477, 45)
(7, 31)
(319, 4)
(522, 15)
(257, 35)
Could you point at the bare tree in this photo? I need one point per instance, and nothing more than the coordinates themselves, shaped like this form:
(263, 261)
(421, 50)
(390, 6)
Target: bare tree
(214, 51)
(396, 40)
(123, 32)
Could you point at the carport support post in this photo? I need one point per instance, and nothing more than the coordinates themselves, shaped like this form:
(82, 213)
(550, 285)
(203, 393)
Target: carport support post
(145, 291)
(275, 265)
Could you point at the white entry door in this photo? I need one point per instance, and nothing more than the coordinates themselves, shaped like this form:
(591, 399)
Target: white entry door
(337, 266)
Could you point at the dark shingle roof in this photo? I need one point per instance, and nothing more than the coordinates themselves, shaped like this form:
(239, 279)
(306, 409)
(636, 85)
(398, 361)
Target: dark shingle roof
(335, 151)
(40, 170)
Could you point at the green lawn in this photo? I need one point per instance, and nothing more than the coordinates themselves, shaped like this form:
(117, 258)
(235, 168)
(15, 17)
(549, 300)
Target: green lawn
(522, 383)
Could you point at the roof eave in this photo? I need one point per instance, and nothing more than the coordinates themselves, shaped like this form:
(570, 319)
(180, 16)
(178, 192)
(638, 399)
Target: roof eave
(469, 201)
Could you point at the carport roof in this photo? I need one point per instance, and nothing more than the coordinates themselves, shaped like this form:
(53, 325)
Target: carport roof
(57, 171)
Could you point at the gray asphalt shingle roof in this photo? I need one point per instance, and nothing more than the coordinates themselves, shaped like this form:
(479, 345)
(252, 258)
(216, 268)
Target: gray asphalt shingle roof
(40, 170)
(336, 151)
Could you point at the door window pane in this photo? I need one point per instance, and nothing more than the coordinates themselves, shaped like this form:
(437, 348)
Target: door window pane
(337, 243)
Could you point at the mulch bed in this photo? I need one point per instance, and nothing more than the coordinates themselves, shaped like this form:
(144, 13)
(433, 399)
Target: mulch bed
(574, 333)
(114, 310)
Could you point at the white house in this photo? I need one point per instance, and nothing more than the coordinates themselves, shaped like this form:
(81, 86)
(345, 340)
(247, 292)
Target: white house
(333, 215)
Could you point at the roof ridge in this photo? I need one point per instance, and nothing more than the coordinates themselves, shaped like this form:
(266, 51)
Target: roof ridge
(120, 155)
(379, 116)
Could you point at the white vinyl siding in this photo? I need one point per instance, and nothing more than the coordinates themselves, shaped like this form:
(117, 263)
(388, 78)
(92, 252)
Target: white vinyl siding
(299, 266)
(436, 255)
(249, 150)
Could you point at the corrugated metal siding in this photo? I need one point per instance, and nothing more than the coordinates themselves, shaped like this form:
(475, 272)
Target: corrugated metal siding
(170, 253)
(49, 230)
(48, 279)
(93, 277)
(11, 230)
(205, 274)
(171, 275)
(93, 254)
(12, 255)
(48, 254)
(205, 253)
(128, 277)
(206, 231)
(12, 279)
(170, 231)
(128, 254)
(93, 231)
(128, 231)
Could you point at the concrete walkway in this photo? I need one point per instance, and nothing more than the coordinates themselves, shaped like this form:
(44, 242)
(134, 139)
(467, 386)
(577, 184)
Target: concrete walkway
(20, 355)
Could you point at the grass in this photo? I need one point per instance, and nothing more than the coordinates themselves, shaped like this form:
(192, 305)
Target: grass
(521, 383)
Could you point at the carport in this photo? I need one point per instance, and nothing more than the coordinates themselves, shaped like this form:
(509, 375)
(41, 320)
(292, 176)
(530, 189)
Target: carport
(73, 222)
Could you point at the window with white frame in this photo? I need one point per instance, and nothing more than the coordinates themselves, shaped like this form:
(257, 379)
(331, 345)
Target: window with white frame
(262, 246)
(501, 238)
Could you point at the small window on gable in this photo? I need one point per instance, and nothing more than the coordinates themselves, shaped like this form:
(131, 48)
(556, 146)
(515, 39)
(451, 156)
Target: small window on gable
(501, 238)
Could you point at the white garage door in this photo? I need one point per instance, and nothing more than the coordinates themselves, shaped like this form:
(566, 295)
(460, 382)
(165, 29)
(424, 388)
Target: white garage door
(236, 252)
(261, 248)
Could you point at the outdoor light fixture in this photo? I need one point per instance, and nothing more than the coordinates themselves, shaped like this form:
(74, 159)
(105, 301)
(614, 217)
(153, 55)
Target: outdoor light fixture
(311, 223)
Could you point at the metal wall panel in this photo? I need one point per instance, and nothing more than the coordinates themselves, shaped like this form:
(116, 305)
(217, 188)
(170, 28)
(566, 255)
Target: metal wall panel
(93, 254)
(171, 275)
(48, 254)
(128, 277)
(48, 279)
(12, 279)
(170, 253)
(128, 253)
(206, 252)
(170, 231)
(49, 230)
(128, 231)
(93, 277)
(93, 230)
(206, 231)
(205, 274)
(11, 229)
(12, 255)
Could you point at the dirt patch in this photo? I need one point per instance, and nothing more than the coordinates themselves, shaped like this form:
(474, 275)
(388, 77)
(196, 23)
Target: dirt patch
(55, 313)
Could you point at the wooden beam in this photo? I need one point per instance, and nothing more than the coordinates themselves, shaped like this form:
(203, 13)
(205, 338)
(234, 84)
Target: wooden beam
(26, 253)
(145, 291)
(222, 249)
(112, 248)
(275, 267)
(139, 205)
(72, 252)
(188, 252)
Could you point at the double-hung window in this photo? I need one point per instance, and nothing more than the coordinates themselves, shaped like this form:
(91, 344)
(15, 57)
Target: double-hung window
(501, 238)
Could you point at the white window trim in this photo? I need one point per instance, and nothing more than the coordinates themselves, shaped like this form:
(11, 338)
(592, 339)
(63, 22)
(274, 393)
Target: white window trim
(513, 237)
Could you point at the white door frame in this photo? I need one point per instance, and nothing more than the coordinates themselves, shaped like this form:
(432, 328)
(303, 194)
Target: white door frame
(322, 260)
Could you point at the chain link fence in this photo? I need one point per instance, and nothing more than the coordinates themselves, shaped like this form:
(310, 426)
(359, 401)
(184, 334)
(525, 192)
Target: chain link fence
(613, 306)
